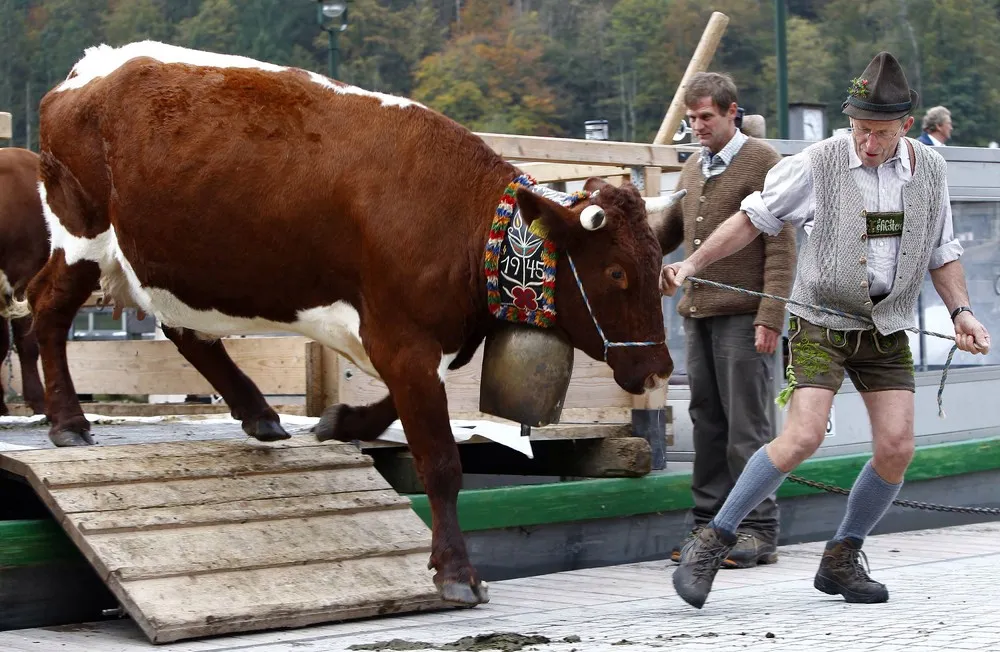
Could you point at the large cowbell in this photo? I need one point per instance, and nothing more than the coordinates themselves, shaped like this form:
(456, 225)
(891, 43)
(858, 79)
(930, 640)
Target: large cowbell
(526, 372)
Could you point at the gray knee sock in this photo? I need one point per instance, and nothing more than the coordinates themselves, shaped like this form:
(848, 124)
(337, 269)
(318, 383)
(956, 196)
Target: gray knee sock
(760, 479)
(870, 499)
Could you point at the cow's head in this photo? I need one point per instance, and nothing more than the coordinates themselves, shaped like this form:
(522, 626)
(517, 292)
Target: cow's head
(618, 263)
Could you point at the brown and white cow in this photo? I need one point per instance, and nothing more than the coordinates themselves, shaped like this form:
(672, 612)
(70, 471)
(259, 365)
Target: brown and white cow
(225, 195)
(24, 248)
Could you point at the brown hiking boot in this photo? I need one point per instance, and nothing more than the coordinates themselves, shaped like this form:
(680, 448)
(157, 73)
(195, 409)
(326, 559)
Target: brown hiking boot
(751, 549)
(675, 554)
(700, 561)
(841, 573)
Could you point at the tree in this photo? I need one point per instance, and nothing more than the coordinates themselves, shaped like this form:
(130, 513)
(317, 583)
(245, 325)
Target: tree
(492, 80)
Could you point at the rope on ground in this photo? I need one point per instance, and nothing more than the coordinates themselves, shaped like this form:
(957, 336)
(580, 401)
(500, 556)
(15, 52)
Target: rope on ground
(839, 313)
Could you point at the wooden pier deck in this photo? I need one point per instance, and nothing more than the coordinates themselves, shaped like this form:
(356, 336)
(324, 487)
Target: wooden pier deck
(943, 591)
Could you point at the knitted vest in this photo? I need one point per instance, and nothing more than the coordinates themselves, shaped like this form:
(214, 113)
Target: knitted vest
(832, 265)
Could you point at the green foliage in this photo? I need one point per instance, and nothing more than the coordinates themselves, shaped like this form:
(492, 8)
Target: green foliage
(492, 80)
(541, 67)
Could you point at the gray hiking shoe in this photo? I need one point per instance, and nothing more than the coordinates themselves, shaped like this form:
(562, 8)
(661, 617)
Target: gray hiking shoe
(675, 554)
(751, 549)
(841, 573)
(701, 559)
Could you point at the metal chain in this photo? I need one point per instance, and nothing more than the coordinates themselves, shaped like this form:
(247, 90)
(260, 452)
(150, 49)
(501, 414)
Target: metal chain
(912, 504)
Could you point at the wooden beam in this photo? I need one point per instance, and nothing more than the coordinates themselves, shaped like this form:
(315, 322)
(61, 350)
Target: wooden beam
(699, 63)
(592, 385)
(552, 172)
(592, 152)
(322, 378)
(276, 364)
(613, 457)
(657, 398)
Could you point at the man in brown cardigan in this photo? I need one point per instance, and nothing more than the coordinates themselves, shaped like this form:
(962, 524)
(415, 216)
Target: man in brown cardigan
(731, 338)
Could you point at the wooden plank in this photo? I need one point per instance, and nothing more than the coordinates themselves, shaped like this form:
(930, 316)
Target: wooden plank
(558, 432)
(171, 449)
(592, 385)
(292, 596)
(205, 491)
(276, 364)
(250, 461)
(132, 409)
(190, 556)
(592, 152)
(189, 551)
(240, 511)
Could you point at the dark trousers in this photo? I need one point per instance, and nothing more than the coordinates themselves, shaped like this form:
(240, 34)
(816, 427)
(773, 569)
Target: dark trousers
(732, 400)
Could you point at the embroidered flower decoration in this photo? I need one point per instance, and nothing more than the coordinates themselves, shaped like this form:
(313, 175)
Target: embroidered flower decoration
(525, 298)
(859, 87)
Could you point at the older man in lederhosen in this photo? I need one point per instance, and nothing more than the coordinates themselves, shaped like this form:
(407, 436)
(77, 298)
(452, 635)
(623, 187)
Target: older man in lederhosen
(876, 210)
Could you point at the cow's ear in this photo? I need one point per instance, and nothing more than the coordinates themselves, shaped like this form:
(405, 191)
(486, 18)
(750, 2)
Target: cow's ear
(594, 184)
(563, 224)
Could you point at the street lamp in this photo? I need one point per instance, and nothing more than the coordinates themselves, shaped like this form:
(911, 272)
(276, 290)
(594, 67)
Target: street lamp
(332, 19)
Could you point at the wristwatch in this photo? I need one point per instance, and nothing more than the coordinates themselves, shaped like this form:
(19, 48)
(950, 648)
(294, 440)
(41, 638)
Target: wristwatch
(957, 311)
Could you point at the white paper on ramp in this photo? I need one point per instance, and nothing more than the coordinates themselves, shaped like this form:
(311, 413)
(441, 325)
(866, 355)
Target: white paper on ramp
(463, 430)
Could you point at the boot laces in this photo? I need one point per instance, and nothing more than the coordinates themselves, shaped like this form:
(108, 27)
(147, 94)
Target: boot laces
(852, 561)
(709, 557)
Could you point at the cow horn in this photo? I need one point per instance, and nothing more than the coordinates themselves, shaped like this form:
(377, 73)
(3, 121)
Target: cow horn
(592, 217)
(660, 204)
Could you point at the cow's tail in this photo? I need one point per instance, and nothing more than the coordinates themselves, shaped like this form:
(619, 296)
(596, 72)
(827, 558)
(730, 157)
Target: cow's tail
(10, 306)
(16, 308)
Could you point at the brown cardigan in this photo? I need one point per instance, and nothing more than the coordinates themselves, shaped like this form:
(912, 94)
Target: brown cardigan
(767, 264)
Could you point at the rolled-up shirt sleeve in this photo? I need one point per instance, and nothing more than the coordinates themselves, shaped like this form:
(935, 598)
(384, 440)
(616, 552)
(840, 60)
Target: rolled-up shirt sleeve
(948, 247)
(787, 197)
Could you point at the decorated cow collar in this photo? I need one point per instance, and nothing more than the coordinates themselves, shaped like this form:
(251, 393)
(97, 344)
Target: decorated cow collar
(520, 259)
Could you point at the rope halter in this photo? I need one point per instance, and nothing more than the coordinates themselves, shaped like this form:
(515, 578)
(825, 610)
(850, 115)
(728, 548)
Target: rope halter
(607, 344)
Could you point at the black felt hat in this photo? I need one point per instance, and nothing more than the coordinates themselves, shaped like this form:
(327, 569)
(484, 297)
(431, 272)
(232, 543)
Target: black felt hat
(881, 92)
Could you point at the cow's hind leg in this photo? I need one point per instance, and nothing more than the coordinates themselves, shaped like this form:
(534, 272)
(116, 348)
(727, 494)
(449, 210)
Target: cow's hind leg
(242, 396)
(27, 353)
(410, 370)
(56, 294)
(356, 422)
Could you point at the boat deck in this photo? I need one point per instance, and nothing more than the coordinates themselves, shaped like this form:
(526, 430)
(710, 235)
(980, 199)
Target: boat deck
(943, 591)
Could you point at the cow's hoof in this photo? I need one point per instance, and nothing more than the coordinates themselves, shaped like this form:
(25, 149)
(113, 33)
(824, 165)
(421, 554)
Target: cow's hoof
(70, 438)
(460, 593)
(265, 430)
(37, 408)
(329, 421)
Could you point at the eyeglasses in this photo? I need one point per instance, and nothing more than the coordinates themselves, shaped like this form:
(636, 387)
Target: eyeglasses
(882, 135)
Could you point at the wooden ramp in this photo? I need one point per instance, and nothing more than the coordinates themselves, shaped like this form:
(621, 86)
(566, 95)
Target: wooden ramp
(214, 537)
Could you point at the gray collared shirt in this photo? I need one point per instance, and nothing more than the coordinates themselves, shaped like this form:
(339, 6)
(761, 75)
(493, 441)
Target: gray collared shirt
(788, 198)
(714, 165)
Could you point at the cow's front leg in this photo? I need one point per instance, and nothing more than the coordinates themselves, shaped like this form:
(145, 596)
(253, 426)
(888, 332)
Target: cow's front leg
(411, 374)
(356, 422)
(27, 351)
(243, 397)
(56, 294)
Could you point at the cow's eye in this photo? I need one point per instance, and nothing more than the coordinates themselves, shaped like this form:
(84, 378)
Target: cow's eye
(617, 275)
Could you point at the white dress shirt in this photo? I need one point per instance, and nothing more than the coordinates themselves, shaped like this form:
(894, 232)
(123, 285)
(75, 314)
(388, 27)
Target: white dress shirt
(788, 197)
